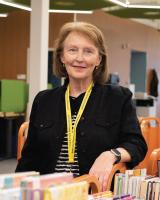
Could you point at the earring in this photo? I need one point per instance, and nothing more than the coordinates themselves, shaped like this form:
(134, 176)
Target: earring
(63, 65)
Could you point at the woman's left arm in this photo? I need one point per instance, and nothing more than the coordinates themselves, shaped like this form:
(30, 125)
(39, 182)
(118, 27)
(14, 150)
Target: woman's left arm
(132, 145)
(103, 165)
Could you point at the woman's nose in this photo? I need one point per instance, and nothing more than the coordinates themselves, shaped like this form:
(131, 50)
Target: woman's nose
(80, 56)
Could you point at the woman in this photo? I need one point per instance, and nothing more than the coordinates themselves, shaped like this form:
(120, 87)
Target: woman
(84, 126)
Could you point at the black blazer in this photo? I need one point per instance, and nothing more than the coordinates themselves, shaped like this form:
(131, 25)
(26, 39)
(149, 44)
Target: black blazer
(109, 121)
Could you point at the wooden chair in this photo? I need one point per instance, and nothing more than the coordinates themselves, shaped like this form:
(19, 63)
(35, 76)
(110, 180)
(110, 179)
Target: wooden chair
(21, 138)
(117, 168)
(150, 127)
(95, 186)
(92, 181)
(153, 162)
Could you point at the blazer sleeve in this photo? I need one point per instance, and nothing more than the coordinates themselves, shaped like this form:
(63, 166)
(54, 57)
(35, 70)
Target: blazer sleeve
(30, 155)
(131, 137)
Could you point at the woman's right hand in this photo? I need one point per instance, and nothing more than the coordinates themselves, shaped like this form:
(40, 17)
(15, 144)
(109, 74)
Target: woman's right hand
(102, 167)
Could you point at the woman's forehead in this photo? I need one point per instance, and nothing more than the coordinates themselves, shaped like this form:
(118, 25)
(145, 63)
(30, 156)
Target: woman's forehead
(78, 37)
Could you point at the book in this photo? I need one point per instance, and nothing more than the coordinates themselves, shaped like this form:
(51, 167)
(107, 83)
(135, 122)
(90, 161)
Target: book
(128, 174)
(119, 183)
(68, 191)
(14, 179)
(157, 190)
(46, 180)
(102, 195)
(30, 185)
(145, 187)
(10, 194)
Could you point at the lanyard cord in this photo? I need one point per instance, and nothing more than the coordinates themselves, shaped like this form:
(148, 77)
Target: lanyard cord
(71, 130)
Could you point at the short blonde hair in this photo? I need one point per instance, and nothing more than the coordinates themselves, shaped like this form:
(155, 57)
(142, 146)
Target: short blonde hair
(101, 73)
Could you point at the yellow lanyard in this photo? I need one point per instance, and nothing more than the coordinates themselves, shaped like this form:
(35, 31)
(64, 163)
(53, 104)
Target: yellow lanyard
(71, 131)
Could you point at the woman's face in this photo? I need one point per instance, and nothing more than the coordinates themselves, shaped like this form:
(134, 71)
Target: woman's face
(80, 56)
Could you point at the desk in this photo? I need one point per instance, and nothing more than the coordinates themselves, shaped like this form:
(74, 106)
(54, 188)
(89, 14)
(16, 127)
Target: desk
(145, 107)
(10, 123)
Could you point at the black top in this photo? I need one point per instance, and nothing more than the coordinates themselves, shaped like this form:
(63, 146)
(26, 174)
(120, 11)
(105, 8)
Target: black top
(108, 121)
(62, 164)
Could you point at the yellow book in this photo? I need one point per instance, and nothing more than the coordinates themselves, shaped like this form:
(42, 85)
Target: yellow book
(106, 194)
(70, 191)
(137, 172)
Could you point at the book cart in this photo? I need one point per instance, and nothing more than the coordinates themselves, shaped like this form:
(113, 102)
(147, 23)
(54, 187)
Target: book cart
(57, 186)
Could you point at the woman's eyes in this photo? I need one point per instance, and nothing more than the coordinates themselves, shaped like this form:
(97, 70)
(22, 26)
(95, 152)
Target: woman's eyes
(85, 51)
(88, 51)
(72, 50)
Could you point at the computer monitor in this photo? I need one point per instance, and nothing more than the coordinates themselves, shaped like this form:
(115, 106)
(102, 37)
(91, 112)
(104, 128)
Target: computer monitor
(113, 79)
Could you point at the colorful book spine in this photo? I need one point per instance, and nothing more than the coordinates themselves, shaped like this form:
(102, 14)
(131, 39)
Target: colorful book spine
(14, 180)
(44, 181)
(68, 191)
(31, 185)
(103, 195)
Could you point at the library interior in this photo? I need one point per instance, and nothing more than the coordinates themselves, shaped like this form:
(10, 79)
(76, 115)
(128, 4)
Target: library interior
(34, 39)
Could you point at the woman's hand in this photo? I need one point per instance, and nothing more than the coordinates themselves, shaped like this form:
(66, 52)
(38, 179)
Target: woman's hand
(102, 167)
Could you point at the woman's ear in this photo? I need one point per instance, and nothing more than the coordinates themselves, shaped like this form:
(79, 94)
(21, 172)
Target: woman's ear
(62, 58)
(99, 60)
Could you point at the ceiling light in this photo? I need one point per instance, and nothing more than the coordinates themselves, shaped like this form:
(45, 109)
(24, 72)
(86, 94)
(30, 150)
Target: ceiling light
(129, 5)
(72, 11)
(152, 13)
(118, 2)
(111, 8)
(64, 3)
(143, 6)
(151, 23)
(3, 14)
(15, 5)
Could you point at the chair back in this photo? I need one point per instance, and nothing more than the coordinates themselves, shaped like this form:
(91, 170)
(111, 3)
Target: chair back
(151, 131)
(153, 162)
(22, 135)
(117, 168)
(92, 181)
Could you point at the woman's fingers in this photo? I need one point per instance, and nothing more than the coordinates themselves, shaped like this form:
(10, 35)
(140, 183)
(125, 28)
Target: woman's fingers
(101, 169)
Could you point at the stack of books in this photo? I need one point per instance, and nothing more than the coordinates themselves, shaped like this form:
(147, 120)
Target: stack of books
(32, 186)
(10, 184)
(13, 180)
(129, 182)
(137, 184)
(133, 184)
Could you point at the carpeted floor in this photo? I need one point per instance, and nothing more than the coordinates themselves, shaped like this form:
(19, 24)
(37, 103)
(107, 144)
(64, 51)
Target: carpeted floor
(8, 166)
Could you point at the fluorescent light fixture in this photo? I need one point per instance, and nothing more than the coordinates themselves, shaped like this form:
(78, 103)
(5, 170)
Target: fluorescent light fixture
(152, 13)
(144, 6)
(64, 3)
(72, 11)
(111, 8)
(129, 5)
(118, 3)
(152, 23)
(3, 14)
(15, 5)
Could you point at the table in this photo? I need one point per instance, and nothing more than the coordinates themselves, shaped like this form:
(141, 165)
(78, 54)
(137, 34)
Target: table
(9, 130)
